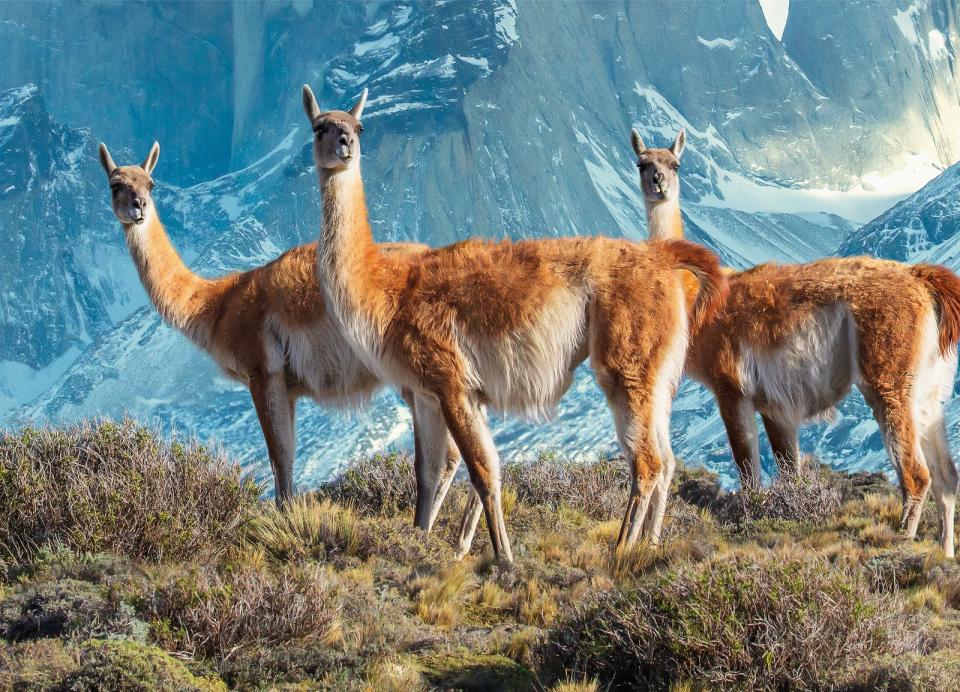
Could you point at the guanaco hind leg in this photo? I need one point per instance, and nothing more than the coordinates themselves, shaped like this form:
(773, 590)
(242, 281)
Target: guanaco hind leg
(468, 425)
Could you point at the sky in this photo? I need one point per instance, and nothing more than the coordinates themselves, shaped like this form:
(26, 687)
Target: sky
(776, 13)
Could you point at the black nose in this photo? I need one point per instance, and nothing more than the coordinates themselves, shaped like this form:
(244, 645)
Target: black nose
(343, 139)
(137, 203)
(658, 177)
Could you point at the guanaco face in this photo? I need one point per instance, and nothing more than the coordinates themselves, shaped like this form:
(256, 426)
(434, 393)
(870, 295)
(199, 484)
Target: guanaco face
(336, 134)
(130, 186)
(659, 168)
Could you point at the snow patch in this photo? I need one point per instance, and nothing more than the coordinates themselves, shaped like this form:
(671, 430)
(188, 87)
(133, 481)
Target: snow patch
(381, 44)
(906, 23)
(937, 44)
(713, 43)
(506, 22)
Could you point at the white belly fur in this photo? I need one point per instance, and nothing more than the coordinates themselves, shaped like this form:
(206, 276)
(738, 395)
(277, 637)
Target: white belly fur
(805, 377)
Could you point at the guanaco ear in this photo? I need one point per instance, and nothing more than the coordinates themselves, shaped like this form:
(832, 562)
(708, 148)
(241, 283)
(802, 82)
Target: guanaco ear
(357, 109)
(637, 142)
(106, 160)
(310, 105)
(150, 162)
(679, 143)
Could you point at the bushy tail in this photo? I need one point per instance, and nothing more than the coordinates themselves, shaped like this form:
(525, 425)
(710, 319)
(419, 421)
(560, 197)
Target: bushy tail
(706, 267)
(944, 286)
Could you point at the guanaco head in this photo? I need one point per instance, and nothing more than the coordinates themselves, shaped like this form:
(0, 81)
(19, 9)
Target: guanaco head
(336, 140)
(130, 186)
(659, 168)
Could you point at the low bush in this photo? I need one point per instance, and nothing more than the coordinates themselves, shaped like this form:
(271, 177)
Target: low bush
(805, 495)
(118, 487)
(381, 485)
(68, 609)
(755, 623)
(215, 614)
(597, 489)
(133, 667)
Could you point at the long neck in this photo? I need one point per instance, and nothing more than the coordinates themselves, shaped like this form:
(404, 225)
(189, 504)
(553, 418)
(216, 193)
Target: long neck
(351, 268)
(181, 297)
(664, 220)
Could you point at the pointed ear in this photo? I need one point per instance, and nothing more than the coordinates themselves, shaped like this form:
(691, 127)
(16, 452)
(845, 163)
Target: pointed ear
(679, 143)
(310, 105)
(150, 162)
(106, 160)
(357, 109)
(637, 142)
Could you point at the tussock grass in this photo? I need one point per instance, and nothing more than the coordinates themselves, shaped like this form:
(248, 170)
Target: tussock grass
(118, 487)
(308, 528)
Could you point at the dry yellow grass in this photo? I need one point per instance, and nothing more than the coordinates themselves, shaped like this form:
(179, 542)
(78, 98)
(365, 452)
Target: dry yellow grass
(398, 674)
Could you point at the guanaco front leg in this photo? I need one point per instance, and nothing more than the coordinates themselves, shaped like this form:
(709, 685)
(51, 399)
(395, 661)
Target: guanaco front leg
(435, 460)
(275, 410)
(738, 415)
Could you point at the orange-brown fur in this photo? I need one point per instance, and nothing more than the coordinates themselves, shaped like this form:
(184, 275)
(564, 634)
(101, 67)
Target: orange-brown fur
(771, 307)
(535, 309)
(252, 323)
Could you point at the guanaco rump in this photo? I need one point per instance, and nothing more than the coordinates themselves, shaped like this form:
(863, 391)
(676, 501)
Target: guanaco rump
(267, 328)
(791, 340)
(505, 324)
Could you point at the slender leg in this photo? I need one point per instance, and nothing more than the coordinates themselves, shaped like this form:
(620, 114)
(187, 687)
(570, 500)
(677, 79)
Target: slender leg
(653, 522)
(275, 412)
(468, 525)
(738, 417)
(944, 475)
(633, 419)
(435, 463)
(894, 415)
(783, 442)
(468, 426)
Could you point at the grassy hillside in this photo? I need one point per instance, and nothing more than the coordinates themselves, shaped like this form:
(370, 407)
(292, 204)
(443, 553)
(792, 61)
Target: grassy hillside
(134, 563)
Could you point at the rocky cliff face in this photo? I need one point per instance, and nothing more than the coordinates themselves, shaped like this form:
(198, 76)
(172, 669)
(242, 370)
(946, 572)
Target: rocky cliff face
(489, 119)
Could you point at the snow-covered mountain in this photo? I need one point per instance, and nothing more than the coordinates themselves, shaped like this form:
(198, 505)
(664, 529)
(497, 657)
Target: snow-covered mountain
(494, 118)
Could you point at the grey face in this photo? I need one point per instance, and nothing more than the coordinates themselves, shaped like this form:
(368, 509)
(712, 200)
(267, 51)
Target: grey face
(336, 134)
(130, 186)
(659, 169)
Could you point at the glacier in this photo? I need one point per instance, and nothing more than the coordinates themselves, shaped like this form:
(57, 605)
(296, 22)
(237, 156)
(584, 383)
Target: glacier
(494, 118)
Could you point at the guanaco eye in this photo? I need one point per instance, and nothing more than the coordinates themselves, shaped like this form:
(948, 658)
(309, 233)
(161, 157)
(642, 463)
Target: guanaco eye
(150, 185)
(675, 167)
(359, 129)
(320, 130)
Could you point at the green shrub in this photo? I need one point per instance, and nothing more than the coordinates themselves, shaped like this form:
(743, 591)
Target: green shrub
(124, 665)
(117, 487)
(35, 665)
(216, 614)
(69, 609)
(766, 623)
